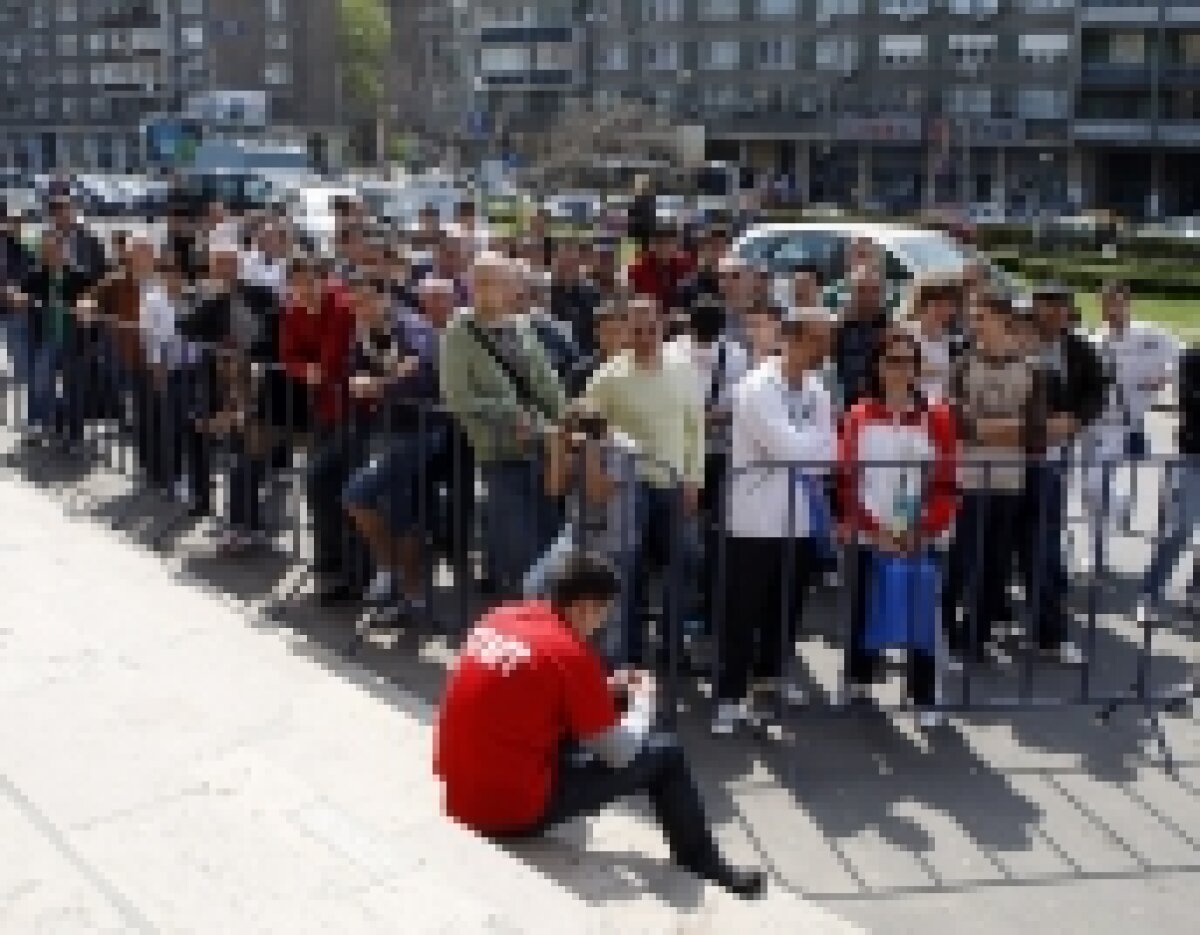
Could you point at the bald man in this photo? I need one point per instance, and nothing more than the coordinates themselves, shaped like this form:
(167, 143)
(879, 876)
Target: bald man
(497, 381)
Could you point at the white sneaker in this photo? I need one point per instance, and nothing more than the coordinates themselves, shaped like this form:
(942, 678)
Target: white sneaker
(729, 715)
(382, 589)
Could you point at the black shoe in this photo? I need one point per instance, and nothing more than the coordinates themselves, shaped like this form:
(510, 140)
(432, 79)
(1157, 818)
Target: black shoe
(741, 881)
(334, 592)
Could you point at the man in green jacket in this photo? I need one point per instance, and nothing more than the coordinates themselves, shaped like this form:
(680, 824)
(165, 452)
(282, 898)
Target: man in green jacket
(497, 381)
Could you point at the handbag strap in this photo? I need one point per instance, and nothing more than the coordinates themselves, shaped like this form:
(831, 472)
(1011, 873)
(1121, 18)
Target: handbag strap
(520, 385)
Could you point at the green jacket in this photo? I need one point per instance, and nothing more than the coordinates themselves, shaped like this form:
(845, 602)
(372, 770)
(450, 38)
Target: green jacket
(483, 399)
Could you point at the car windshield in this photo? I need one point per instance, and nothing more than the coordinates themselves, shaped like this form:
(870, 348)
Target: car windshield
(930, 255)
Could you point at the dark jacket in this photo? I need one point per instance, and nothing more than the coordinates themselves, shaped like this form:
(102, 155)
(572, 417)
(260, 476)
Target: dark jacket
(575, 303)
(853, 350)
(37, 285)
(1079, 389)
(86, 254)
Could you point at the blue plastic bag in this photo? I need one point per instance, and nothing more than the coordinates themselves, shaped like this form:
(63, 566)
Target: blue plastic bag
(820, 519)
(902, 602)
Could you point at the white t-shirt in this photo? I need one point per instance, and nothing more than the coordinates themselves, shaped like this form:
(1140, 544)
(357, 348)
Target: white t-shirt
(1139, 359)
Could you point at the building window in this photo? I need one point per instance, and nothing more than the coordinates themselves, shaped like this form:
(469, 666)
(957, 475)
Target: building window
(276, 11)
(901, 51)
(503, 59)
(778, 53)
(662, 11)
(972, 51)
(1042, 103)
(68, 45)
(827, 9)
(903, 7)
(836, 53)
(68, 12)
(720, 9)
(1044, 48)
(192, 37)
(973, 7)
(277, 42)
(614, 57)
(662, 56)
(972, 100)
(277, 73)
(1048, 6)
(776, 7)
(721, 55)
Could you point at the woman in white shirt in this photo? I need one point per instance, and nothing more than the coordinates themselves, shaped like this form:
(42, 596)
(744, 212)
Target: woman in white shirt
(782, 442)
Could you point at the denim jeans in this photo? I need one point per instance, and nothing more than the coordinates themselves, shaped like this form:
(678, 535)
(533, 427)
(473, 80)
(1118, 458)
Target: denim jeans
(48, 407)
(519, 520)
(17, 339)
(1183, 520)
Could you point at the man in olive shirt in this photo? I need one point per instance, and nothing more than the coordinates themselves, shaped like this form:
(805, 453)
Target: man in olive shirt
(497, 382)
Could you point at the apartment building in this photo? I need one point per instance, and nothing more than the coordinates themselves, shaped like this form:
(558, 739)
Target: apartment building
(79, 79)
(1037, 103)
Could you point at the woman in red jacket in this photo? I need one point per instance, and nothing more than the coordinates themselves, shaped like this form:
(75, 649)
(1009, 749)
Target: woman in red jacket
(897, 459)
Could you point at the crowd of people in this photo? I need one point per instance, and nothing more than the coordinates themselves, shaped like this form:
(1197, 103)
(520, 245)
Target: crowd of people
(714, 431)
(683, 436)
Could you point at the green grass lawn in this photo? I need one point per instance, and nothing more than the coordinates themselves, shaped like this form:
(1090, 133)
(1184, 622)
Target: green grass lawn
(1179, 315)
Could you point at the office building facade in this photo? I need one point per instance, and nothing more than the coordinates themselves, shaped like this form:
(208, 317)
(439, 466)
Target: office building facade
(904, 103)
(79, 79)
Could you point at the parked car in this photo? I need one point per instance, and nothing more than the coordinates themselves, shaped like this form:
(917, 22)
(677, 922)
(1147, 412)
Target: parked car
(909, 252)
(311, 211)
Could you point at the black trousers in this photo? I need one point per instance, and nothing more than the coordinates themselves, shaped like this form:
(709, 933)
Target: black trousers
(338, 452)
(585, 785)
(981, 566)
(766, 582)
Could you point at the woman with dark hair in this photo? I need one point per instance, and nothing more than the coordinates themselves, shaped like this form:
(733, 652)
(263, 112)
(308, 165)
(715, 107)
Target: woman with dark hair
(897, 459)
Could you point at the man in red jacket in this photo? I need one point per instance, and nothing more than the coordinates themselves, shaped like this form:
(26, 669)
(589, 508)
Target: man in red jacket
(660, 270)
(529, 734)
(315, 341)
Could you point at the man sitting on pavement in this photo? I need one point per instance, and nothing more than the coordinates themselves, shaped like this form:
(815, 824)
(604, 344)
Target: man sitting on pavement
(529, 733)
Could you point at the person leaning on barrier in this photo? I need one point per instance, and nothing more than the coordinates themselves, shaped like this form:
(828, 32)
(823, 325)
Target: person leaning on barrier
(591, 468)
(1141, 358)
(48, 294)
(396, 352)
(991, 390)
(498, 383)
(782, 444)
(1069, 392)
(15, 262)
(654, 398)
(314, 343)
(897, 466)
(530, 732)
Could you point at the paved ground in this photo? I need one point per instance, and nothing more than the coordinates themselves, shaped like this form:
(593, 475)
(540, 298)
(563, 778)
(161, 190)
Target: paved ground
(186, 747)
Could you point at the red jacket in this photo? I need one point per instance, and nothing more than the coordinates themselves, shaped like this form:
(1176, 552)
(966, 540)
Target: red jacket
(322, 339)
(870, 433)
(659, 278)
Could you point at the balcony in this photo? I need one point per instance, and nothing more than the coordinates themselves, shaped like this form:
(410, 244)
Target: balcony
(1180, 12)
(1110, 75)
(1120, 12)
(541, 78)
(513, 35)
(1097, 130)
(1181, 76)
(1179, 132)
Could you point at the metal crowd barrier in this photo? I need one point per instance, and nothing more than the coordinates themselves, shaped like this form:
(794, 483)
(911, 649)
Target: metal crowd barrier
(155, 427)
